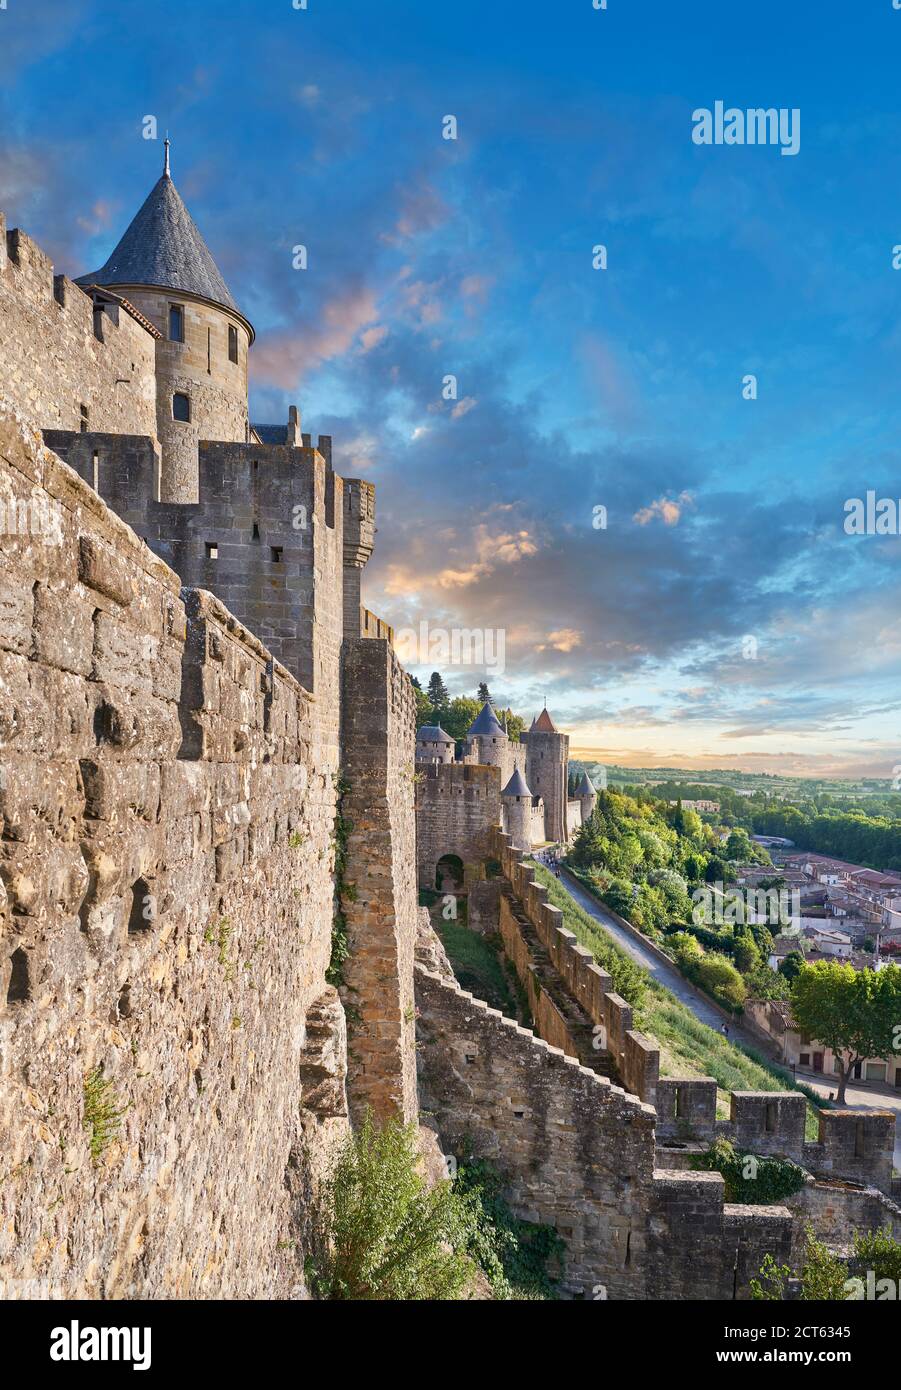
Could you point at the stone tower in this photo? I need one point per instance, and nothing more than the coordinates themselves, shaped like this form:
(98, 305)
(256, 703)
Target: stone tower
(586, 796)
(164, 268)
(547, 757)
(487, 739)
(516, 802)
(433, 745)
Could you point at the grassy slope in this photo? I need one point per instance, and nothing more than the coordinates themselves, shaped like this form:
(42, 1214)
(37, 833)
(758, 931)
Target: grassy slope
(687, 1046)
(475, 959)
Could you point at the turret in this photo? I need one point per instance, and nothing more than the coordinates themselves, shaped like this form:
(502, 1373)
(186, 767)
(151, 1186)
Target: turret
(586, 796)
(487, 739)
(433, 745)
(164, 268)
(516, 806)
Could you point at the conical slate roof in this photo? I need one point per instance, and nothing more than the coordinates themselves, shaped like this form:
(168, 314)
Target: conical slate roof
(163, 247)
(432, 733)
(517, 785)
(584, 787)
(486, 722)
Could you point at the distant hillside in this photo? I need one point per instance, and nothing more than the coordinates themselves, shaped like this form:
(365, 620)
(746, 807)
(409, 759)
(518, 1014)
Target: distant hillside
(703, 784)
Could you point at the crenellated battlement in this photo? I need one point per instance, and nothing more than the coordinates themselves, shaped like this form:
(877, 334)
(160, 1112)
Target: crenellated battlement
(67, 362)
(854, 1144)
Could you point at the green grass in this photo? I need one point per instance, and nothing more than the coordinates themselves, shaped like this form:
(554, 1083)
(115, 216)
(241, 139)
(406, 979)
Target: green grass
(687, 1046)
(476, 962)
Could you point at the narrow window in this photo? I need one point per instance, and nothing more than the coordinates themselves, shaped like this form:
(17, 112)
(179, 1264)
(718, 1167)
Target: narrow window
(84, 419)
(256, 532)
(276, 554)
(771, 1113)
(212, 550)
(95, 462)
(859, 1147)
(232, 344)
(142, 908)
(176, 323)
(19, 989)
(98, 323)
(181, 406)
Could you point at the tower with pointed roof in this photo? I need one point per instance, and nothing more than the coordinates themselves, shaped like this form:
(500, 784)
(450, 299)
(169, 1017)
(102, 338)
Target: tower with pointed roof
(547, 762)
(487, 740)
(516, 807)
(586, 796)
(163, 267)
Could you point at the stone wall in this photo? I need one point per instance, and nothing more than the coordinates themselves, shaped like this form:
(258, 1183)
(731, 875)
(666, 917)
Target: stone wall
(577, 1153)
(838, 1211)
(379, 898)
(266, 536)
(855, 1144)
(635, 1058)
(457, 807)
(167, 806)
(53, 368)
(200, 368)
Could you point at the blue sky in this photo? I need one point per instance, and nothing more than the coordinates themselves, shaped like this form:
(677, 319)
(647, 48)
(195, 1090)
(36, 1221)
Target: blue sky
(577, 388)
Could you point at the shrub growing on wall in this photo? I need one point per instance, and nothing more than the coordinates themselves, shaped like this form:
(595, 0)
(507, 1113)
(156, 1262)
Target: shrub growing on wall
(387, 1236)
(751, 1180)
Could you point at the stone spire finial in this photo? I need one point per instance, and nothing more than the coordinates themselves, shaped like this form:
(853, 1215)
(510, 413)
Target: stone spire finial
(166, 173)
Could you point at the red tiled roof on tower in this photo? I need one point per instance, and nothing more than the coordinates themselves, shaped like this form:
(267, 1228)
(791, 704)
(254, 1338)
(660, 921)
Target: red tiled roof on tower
(544, 723)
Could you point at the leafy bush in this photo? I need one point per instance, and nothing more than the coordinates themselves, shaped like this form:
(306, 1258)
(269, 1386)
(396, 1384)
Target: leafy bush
(825, 1276)
(822, 1276)
(880, 1252)
(751, 1180)
(514, 1255)
(719, 976)
(386, 1236)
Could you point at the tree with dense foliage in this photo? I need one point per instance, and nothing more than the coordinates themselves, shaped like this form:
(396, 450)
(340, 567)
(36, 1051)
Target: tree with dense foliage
(424, 712)
(458, 715)
(791, 965)
(482, 694)
(854, 1012)
(438, 693)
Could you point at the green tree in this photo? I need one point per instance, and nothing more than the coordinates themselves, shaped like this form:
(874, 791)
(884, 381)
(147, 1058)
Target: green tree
(424, 712)
(738, 846)
(823, 1276)
(514, 724)
(746, 953)
(791, 965)
(855, 1012)
(482, 694)
(438, 693)
(458, 715)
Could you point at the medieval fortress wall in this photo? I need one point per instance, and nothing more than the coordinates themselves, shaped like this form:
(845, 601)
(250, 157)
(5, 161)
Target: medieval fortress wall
(53, 367)
(167, 812)
(172, 1058)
